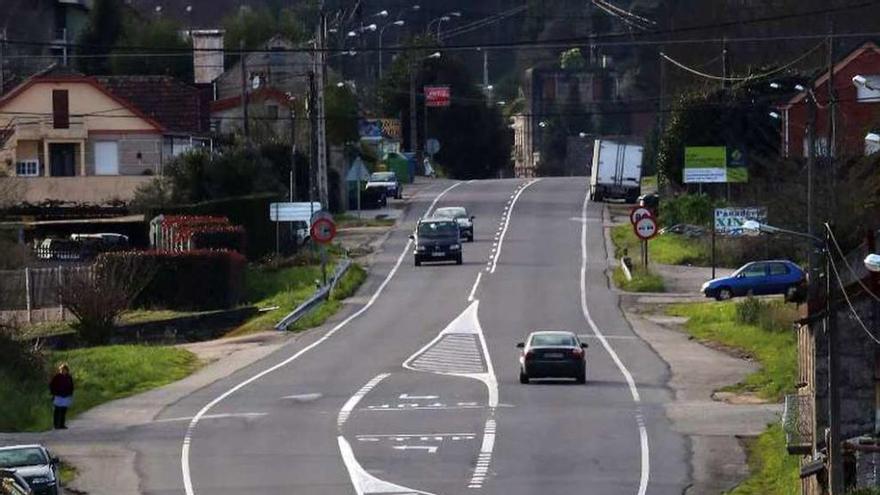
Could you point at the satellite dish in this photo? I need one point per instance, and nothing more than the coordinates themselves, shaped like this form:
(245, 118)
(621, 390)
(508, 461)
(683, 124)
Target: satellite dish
(255, 82)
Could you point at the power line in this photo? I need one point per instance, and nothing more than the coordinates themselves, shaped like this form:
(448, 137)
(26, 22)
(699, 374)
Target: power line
(794, 62)
(849, 303)
(850, 268)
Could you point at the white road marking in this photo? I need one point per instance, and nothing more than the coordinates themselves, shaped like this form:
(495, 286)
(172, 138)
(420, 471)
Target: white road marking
(634, 391)
(388, 408)
(485, 457)
(302, 397)
(431, 449)
(507, 224)
(352, 402)
(468, 436)
(190, 430)
(213, 416)
(364, 483)
(418, 397)
(609, 337)
(474, 288)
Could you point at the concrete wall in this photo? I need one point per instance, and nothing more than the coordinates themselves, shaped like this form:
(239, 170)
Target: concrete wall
(95, 190)
(139, 153)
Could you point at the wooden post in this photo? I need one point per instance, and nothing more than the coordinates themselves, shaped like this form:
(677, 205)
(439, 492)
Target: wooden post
(60, 284)
(27, 292)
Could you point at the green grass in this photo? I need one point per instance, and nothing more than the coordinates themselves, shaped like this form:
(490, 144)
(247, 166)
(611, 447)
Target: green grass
(666, 249)
(642, 281)
(349, 220)
(772, 470)
(101, 374)
(775, 350)
(346, 287)
(50, 328)
(66, 473)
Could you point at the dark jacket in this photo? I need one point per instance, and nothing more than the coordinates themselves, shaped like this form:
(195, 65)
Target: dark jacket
(61, 385)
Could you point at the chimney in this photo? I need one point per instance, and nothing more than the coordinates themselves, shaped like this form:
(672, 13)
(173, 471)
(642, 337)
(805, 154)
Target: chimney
(207, 65)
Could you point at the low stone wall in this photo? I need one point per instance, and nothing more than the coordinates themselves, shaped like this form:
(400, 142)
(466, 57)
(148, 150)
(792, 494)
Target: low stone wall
(195, 328)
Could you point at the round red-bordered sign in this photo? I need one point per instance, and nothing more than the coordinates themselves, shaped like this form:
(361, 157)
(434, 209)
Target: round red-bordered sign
(638, 213)
(323, 231)
(646, 228)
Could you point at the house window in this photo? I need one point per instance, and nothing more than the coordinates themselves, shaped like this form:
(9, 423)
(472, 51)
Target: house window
(27, 168)
(106, 158)
(867, 95)
(60, 109)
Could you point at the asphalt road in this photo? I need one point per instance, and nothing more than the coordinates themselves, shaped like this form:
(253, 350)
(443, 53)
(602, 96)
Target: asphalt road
(414, 389)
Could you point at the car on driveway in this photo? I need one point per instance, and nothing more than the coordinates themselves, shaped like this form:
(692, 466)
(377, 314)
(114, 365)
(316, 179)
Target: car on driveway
(460, 215)
(386, 181)
(436, 239)
(35, 465)
(552, 354)
(759, 278)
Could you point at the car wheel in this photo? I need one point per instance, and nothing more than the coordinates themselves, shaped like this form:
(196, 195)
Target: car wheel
(458, 260)
(523, 377)
(724, 294)
(471, 238)
(581, 377)
(417, 261)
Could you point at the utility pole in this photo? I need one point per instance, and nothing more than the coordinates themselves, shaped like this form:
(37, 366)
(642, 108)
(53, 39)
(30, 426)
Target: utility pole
(832, 123)
(292, 149)
(321, 128)
(244, 96)
(313, 151)
(811, 164)
(835, 461)
(413, 118)
(2, 61)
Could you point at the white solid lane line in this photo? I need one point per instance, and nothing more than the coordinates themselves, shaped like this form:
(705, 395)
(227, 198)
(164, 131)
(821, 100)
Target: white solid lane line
(634, 391)
(187, 439)
(474, 288)
(503, 230)
(365, 483)
(352, 402)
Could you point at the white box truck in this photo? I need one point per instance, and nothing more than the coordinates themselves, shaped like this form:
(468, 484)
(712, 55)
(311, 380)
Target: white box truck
(617, 171)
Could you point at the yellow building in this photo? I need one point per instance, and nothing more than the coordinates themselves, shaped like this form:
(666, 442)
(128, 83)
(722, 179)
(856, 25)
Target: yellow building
(70, 137)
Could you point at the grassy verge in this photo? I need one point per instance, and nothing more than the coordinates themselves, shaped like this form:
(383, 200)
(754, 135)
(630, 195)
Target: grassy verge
(667, 249)
(773, 471)
(134, 316)
(346, 287)
(101, 373)
(348, 220)
(761, 330)
(66, 473)
(642, 281)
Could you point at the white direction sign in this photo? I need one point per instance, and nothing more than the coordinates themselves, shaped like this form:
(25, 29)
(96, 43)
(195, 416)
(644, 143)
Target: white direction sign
(293, 212)
(646, 228)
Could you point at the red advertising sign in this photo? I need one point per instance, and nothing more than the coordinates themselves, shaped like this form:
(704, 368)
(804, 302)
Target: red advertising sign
(437, 96)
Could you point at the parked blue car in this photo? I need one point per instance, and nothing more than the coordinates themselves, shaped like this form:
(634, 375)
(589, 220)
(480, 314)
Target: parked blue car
(759, 278)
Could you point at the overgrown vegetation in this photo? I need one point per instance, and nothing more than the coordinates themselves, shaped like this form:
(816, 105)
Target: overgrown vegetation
(772, 470)
(642, 281)
(101, 374)
(759, 329)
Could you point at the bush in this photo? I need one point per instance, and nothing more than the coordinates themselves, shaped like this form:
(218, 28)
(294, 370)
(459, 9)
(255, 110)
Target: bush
(228, 237)
(772, 316)
(190, 280)
(695, 209)
(21, 361)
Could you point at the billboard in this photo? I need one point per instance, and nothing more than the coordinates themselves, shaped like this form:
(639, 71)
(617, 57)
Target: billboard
(437, 96)
(714, 164)
(729, 221)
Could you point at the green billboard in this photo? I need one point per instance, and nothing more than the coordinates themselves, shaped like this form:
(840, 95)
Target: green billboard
(714, 164)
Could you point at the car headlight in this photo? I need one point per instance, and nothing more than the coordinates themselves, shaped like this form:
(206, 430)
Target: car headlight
(704, 287)
(455, 246)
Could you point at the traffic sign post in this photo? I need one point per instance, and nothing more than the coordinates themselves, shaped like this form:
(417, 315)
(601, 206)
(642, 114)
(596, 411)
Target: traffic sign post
(645, 229)
(323, 230)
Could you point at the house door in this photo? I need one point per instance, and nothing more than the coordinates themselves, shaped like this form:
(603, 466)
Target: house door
(106, 158)
(62, 159)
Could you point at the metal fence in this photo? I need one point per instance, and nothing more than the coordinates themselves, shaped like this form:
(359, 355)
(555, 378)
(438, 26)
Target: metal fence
(29, 289)
(797, 422)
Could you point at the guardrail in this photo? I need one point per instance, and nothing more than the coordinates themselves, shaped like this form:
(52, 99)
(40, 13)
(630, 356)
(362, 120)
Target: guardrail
(626, 271)
(322, 294)
(797, 422)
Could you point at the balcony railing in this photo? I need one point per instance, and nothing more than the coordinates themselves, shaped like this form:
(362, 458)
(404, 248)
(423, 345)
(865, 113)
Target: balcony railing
(797, 422)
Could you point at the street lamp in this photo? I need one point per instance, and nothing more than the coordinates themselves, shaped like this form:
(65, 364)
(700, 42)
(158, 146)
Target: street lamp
(775, 115)
(383, 13)
(440, 20)
(862, 82)
(872, 262)
(542, 124)
(397, 23)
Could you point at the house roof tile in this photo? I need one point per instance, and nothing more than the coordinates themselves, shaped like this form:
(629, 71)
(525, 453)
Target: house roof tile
(177, 106)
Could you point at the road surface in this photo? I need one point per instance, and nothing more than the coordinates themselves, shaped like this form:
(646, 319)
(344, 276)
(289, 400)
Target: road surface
(414, 387)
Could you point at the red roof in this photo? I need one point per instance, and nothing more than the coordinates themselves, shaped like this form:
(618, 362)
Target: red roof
(177, 106)
(259, 95)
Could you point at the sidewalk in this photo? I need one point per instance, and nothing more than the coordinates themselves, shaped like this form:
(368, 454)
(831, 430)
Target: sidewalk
(714, 428)
(96, 443)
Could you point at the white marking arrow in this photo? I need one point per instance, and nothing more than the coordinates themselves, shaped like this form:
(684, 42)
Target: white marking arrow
(431, 449)
(417, 397)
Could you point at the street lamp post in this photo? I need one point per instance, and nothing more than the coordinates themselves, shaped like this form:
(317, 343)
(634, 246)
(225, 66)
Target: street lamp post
(397, 23)
(440, 20)
(835, 458)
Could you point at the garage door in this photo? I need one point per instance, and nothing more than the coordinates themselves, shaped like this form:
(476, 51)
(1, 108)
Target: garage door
(106, 158)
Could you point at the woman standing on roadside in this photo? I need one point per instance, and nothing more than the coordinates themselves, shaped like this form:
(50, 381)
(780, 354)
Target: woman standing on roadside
(61, 388)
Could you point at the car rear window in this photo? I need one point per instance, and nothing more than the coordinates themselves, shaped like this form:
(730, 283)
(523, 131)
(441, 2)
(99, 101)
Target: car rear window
(382, 177)
(551, 340)
(438, 229)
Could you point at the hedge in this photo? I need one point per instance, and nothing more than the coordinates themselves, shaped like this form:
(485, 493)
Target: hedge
(251, 212)
(189, 280)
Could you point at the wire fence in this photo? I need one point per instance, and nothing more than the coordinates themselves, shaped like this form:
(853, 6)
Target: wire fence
(30, 289)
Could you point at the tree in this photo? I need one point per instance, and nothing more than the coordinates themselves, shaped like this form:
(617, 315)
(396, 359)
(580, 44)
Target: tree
(475, 142)
(161, 34)
(104, 29)
(341, 109)
(572, 60)
(97, 297)
(255, 26)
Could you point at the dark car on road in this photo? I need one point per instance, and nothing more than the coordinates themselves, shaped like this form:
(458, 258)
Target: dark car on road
(386, 181)
(35, 465)
(552, 354)
(460, 215)
(436, 239)
(759, 278)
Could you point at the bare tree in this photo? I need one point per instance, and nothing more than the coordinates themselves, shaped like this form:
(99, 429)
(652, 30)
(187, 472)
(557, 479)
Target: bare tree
(97, 297)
